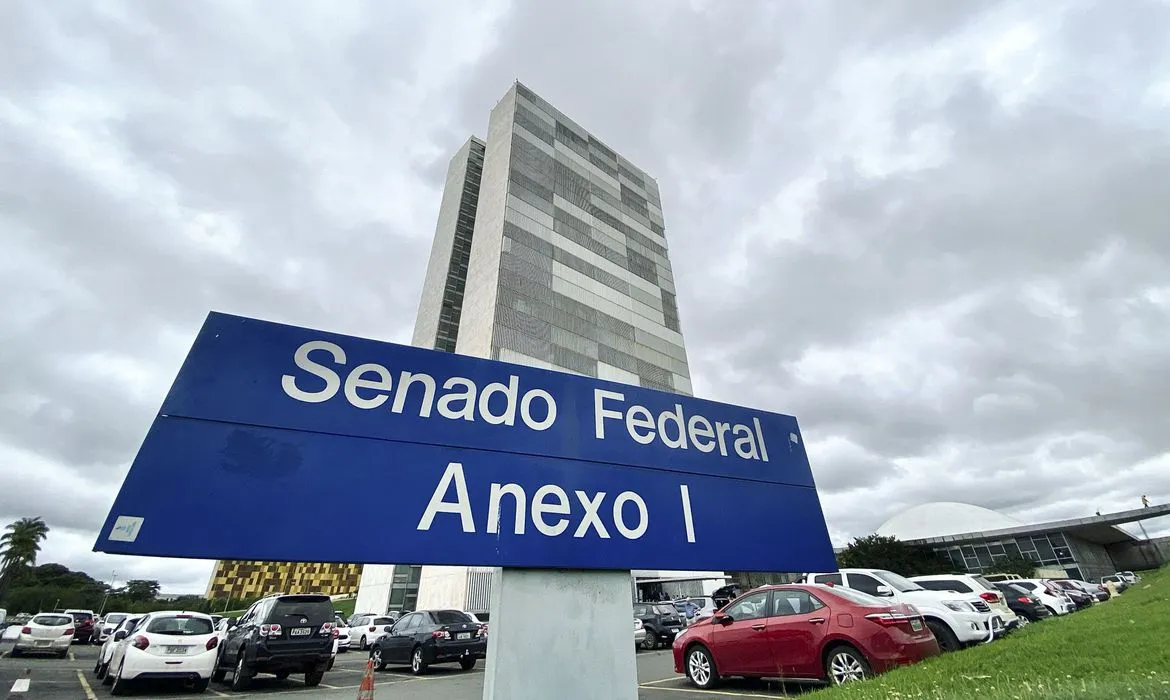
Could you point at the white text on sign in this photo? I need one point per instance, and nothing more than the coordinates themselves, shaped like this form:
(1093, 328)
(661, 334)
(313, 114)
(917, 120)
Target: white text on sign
(370, 386)
(549, 510)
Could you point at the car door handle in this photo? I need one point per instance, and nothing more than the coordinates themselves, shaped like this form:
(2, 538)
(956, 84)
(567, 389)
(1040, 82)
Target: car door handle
(758, 628)
(816, 620)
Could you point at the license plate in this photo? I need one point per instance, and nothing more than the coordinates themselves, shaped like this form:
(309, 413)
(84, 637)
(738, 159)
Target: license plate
(176, 651)
(43, 642)
(463, 635)
(300, 631)
(916, 625)
(674, 629)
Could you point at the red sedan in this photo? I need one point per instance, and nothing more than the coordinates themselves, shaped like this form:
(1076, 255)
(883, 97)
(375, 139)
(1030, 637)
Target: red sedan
(803, 632)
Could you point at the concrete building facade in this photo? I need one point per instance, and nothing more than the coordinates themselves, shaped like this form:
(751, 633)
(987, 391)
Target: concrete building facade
(550, 251)
(974, 539)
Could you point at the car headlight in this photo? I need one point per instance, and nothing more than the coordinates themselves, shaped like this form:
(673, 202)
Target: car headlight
(959, 605)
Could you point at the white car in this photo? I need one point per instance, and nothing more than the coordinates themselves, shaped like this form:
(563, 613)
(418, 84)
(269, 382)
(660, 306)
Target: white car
(45, 633)
(639, 633)
(105, 627)
(102, 667)
(367, 629)
(341, 634)
(968, 583)
(166, 644)
(956, 619)
(1048, 594)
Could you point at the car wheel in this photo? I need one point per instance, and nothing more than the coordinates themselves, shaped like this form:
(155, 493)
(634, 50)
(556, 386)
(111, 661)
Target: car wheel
(701, 668)
(417, 665)
(240, 678)
(119, 683)
(363, 643)
(846, 665)
(314, 678)
(467, 663)
(650, 641)
(1023, 621)
(376, 657)
(1051, 610)
(947, 641)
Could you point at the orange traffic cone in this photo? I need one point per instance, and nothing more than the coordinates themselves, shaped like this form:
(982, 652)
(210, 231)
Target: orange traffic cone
(366, 689)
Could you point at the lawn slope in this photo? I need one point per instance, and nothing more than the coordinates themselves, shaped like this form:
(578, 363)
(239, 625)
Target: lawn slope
(1117, 649)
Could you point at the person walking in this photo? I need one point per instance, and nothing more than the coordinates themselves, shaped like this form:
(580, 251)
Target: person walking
(1145, 501)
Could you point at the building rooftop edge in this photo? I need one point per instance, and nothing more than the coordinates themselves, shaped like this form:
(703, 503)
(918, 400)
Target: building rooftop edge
(1071, 524)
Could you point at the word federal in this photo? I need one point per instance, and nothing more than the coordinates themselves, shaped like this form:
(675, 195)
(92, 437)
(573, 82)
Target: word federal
(370, 386)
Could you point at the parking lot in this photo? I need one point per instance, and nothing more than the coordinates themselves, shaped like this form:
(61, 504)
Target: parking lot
(38, 678)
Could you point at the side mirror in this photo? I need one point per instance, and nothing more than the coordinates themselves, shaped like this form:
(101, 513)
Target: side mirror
(388, 628)
(120, 635)
(723, 619)
(885, 591)
(232, 621)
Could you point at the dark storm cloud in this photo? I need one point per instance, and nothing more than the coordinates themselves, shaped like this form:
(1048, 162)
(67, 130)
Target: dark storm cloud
(935, 232)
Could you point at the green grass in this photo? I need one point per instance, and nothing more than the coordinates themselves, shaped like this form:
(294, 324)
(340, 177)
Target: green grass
(1117, 649)
(345, 605)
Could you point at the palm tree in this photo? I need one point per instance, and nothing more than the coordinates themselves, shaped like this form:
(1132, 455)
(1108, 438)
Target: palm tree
(20, 544)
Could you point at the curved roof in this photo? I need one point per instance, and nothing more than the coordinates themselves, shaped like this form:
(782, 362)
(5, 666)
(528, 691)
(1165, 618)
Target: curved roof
(944, 518)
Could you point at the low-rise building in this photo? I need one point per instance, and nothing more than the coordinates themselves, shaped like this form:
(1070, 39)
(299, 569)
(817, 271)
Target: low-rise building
(975, 538)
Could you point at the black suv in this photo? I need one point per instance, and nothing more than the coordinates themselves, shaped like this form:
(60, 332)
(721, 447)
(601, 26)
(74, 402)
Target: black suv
(282, 635)
(662, 621)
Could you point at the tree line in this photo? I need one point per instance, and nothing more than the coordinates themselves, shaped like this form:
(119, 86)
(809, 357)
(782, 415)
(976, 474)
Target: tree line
(26, 587)
(891, 554)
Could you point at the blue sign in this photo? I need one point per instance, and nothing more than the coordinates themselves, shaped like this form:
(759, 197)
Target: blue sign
(269, 430)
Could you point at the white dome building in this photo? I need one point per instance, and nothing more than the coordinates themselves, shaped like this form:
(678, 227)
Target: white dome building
(945, 518)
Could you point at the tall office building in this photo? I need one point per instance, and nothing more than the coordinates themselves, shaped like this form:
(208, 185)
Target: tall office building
(550, 251)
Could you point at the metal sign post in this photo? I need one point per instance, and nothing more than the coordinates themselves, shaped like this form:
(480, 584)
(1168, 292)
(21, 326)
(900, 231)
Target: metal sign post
(490, 464)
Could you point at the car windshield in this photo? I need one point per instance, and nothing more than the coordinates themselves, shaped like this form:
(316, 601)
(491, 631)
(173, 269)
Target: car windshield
(450, 617)
(52, 620)
(80, 616)
(114, 619)
(665, 609)
(898, 583)
(383, 621)
(856, 596)
(1012, 588)
(179, 625)
(314, 610)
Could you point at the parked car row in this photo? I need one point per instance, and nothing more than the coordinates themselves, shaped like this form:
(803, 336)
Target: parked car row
(847, 625)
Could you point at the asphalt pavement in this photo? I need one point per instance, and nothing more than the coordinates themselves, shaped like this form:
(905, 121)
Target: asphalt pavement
(48, 678)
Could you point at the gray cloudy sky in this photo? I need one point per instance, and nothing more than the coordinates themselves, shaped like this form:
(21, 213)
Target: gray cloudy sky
(935, 232)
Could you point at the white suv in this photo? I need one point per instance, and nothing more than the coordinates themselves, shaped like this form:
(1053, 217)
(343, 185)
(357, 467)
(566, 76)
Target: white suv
(956, 619)
(967, 583)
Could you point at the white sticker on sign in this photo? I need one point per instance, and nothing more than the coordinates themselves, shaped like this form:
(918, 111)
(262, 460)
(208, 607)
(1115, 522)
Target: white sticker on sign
(126, 528)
